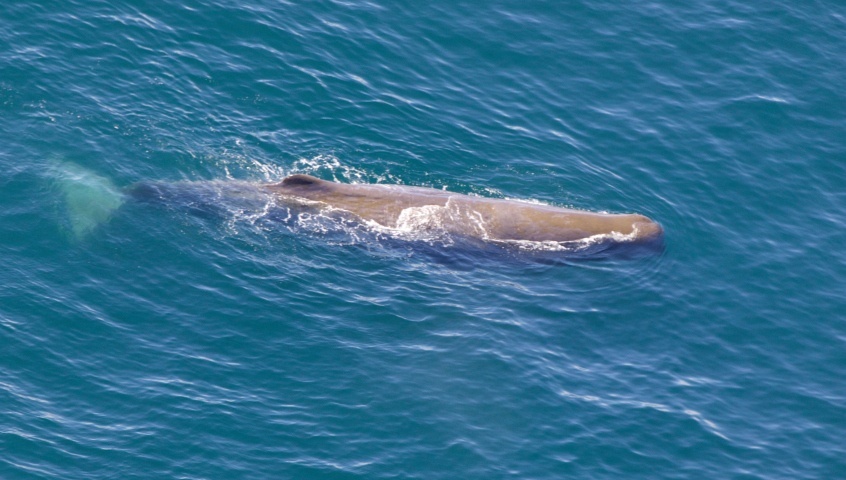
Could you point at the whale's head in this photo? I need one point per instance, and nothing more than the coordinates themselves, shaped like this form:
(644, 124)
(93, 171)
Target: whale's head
(646, 229)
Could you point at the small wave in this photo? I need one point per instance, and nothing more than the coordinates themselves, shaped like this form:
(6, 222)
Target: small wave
(330, 166)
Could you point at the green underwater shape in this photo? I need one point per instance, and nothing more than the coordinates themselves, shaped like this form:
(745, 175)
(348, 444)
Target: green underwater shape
(89, 199)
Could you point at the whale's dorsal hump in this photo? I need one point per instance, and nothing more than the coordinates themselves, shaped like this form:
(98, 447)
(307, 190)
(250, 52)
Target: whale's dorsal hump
(301, 180)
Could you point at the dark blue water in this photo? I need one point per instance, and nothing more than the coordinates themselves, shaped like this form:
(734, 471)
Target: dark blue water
(210, 334)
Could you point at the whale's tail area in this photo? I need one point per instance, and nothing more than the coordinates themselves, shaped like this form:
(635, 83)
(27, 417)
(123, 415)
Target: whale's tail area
(88, 199)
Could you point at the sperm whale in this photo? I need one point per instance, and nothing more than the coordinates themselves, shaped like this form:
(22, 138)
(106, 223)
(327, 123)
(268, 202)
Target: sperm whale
(395, 206)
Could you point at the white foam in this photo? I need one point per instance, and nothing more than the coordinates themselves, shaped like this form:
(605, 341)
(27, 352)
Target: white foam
(327, 165)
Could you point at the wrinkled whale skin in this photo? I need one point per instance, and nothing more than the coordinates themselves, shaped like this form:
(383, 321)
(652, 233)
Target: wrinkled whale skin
(490, 218)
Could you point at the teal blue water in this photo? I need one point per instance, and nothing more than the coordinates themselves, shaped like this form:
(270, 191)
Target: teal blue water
(209, 335)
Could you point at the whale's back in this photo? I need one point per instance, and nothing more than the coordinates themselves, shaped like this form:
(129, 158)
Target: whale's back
(501, 219)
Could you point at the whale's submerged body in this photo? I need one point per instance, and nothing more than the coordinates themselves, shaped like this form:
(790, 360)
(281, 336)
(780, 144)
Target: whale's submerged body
(400, 207)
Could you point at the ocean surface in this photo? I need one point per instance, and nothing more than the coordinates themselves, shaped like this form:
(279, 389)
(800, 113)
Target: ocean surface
(212, 334)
